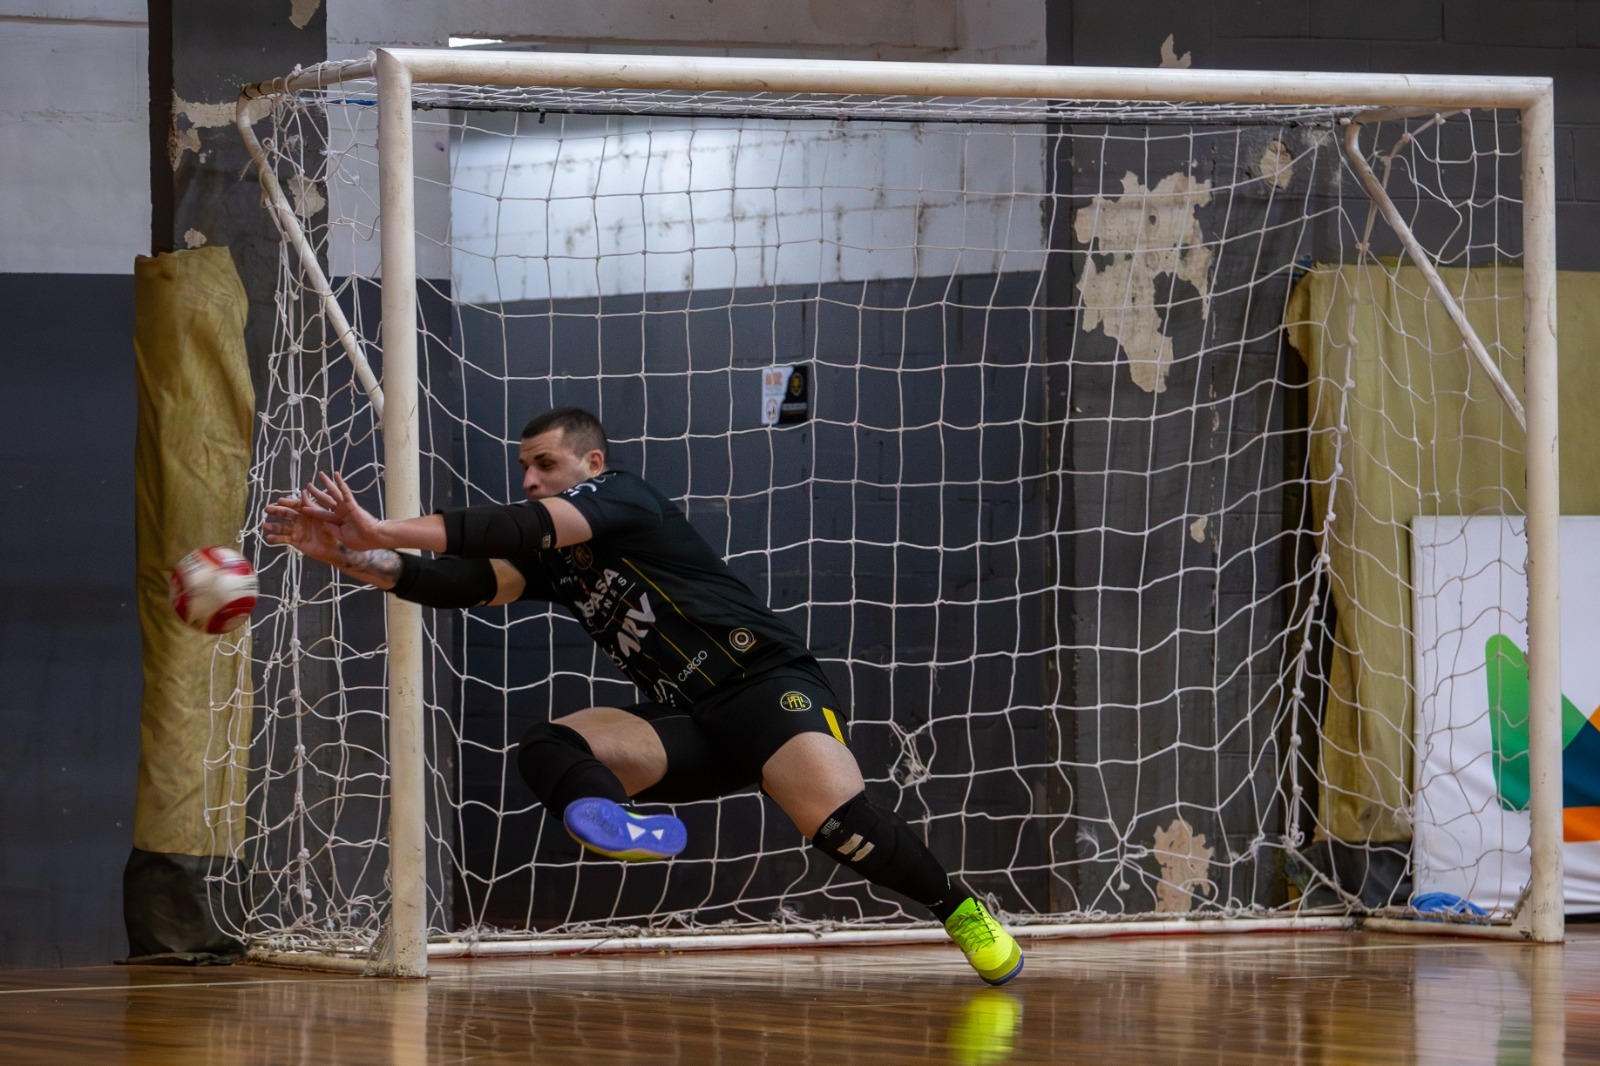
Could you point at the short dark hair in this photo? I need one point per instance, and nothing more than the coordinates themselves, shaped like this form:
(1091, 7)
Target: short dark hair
(580, 430)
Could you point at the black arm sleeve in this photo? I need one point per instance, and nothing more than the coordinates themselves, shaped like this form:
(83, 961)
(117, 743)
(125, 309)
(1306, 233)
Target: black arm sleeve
(498, 531)
(446, 583)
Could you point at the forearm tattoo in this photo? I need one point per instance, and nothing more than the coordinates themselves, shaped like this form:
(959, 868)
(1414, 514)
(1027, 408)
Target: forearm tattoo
(380, 566)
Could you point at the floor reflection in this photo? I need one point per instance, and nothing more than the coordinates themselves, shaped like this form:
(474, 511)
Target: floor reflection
(1311, 998)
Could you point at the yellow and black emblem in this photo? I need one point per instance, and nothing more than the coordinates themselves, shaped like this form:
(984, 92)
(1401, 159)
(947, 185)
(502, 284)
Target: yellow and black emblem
(582, 556)
(794, 701)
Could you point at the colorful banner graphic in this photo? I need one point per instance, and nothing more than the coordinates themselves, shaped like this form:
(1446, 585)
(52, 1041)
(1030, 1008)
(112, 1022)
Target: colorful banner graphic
(1469, 815)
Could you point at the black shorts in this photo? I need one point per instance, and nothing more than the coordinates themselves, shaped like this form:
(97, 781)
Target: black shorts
(719, 745)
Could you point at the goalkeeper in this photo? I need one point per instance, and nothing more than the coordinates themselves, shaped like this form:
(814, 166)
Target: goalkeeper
(733, 698)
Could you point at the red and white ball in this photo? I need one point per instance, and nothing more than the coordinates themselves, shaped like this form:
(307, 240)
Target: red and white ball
(214, 589)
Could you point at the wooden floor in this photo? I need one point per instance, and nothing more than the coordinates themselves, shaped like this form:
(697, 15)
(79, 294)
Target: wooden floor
(1259, 998)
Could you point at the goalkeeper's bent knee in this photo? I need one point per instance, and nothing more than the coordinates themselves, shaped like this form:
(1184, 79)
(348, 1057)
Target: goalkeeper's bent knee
(560, 767)
(879, 846)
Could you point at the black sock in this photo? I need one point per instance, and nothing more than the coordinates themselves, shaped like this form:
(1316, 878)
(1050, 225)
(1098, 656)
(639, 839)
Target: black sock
(560, 767)
(879, 846)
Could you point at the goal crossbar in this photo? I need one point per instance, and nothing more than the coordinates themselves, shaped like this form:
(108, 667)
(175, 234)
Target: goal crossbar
(731, 74)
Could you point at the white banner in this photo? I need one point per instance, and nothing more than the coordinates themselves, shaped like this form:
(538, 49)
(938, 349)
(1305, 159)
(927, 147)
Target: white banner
(1470, 600)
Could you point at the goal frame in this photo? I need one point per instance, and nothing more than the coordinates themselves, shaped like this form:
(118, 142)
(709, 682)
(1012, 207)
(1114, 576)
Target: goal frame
(403, 949)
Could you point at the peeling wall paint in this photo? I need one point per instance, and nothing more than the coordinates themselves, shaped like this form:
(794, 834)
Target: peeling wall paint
(301, 11)
(306, 196)
(1170, 56)
(1276, 165)
(1146, 233)
(1185, 860)
(201, 116)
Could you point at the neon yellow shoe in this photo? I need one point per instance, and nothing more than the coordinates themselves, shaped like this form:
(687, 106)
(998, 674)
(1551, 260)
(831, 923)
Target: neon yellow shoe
(992, 951)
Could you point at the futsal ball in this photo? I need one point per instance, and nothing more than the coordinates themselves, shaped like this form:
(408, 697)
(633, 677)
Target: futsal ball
(213, 590)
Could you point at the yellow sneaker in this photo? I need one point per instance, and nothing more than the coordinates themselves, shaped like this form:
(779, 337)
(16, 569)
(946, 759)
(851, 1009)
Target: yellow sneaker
(992, 951)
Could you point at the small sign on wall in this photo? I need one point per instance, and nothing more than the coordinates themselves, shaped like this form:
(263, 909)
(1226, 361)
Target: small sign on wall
(785, 394)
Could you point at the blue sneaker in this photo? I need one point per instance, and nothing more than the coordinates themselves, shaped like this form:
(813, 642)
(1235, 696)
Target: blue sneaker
(618, 833)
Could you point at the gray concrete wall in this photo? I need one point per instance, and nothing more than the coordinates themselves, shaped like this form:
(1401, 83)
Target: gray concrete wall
(74, 211)
(1559, 39)
(69, 633)
(978, 31)
(76, 206)
(74, 158)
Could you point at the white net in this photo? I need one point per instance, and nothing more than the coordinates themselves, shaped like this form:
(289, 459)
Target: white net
(1098, 519)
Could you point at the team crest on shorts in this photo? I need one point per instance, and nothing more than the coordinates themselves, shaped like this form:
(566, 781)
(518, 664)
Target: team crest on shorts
(582, 556)
(794, 701)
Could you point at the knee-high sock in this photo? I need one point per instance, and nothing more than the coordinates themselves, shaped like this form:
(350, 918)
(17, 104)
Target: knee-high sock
(558, 764)
(879, 846)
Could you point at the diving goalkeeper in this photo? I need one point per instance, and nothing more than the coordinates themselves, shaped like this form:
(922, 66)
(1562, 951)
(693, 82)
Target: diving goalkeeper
(732, 697)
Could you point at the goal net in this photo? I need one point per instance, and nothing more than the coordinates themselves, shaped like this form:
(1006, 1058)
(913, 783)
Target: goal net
(1147, 476)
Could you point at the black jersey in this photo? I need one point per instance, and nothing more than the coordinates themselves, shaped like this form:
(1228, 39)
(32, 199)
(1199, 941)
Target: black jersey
(654, 595)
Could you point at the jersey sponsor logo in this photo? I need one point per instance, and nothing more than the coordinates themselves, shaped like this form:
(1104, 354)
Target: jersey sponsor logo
(742, 639)
(631, 637)
(600, 600)
(691, 666)
(597, 611)
(794, 701)
(668, 694)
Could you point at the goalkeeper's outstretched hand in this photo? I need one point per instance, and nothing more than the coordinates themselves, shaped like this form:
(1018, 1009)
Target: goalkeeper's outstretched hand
(334, 504)
(289, 523)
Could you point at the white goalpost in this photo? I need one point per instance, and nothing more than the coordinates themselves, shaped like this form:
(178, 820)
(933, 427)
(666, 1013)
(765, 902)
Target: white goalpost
(1162, 464)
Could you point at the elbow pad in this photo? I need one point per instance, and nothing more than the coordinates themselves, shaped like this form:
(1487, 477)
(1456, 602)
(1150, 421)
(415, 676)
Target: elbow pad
(499, 531)
(446, 583)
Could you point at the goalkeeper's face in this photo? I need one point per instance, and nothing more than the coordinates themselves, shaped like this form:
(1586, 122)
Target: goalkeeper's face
(550, 466)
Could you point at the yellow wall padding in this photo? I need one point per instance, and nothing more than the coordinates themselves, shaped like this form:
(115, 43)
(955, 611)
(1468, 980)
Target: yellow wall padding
(1425, 438)
(192, 461)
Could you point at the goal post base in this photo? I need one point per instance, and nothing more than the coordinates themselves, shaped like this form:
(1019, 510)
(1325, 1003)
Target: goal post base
(846, 938)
